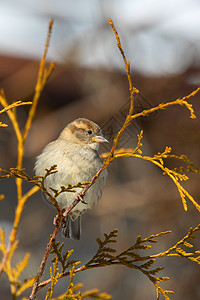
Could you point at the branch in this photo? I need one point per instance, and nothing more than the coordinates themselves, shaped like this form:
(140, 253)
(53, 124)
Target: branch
(10, 114)
(173, 174)
(106, 256)
(43, 75)
(46, 255)
(13, 105)
(182, 101)
(42, 78)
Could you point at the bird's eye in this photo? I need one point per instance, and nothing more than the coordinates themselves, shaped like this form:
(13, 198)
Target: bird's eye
(89, 131)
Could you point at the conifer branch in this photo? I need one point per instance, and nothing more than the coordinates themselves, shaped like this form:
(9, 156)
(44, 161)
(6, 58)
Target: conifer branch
(106, 255)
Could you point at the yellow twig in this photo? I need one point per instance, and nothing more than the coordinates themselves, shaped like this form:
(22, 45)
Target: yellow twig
(11, 115)
(132, 89)
(19, 210)
(43, 75)
(167, 171)
(182, 101)
(117, 151)
(13, 105)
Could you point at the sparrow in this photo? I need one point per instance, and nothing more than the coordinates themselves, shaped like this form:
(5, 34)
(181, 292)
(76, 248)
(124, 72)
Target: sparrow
(75, 153)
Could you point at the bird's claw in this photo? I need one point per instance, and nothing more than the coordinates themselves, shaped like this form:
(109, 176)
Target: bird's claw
(56, 220)
(80, 197)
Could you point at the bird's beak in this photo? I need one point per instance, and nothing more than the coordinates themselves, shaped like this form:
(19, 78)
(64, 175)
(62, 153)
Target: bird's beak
(100, 139)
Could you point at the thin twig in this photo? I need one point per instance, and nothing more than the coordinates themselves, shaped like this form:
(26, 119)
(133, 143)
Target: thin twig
(182, 101)
(80, 269)
(59, 223)
(42, 78)
(43, 75)
(14, 105)
(105, 164)
(43, 263)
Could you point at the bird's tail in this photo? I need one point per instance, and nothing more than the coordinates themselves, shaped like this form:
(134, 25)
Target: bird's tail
(72, 229)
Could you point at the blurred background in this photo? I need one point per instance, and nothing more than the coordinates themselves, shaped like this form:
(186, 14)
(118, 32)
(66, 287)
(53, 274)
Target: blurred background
(161, 40)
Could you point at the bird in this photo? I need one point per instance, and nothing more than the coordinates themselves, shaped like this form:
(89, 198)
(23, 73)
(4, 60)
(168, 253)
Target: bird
(75, 153)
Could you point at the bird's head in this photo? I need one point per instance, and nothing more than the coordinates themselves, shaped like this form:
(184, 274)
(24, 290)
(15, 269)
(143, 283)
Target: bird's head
(83, 132)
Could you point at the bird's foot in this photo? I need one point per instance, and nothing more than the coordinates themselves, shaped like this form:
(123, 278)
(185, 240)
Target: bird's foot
(56, 220)
(80, 197)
